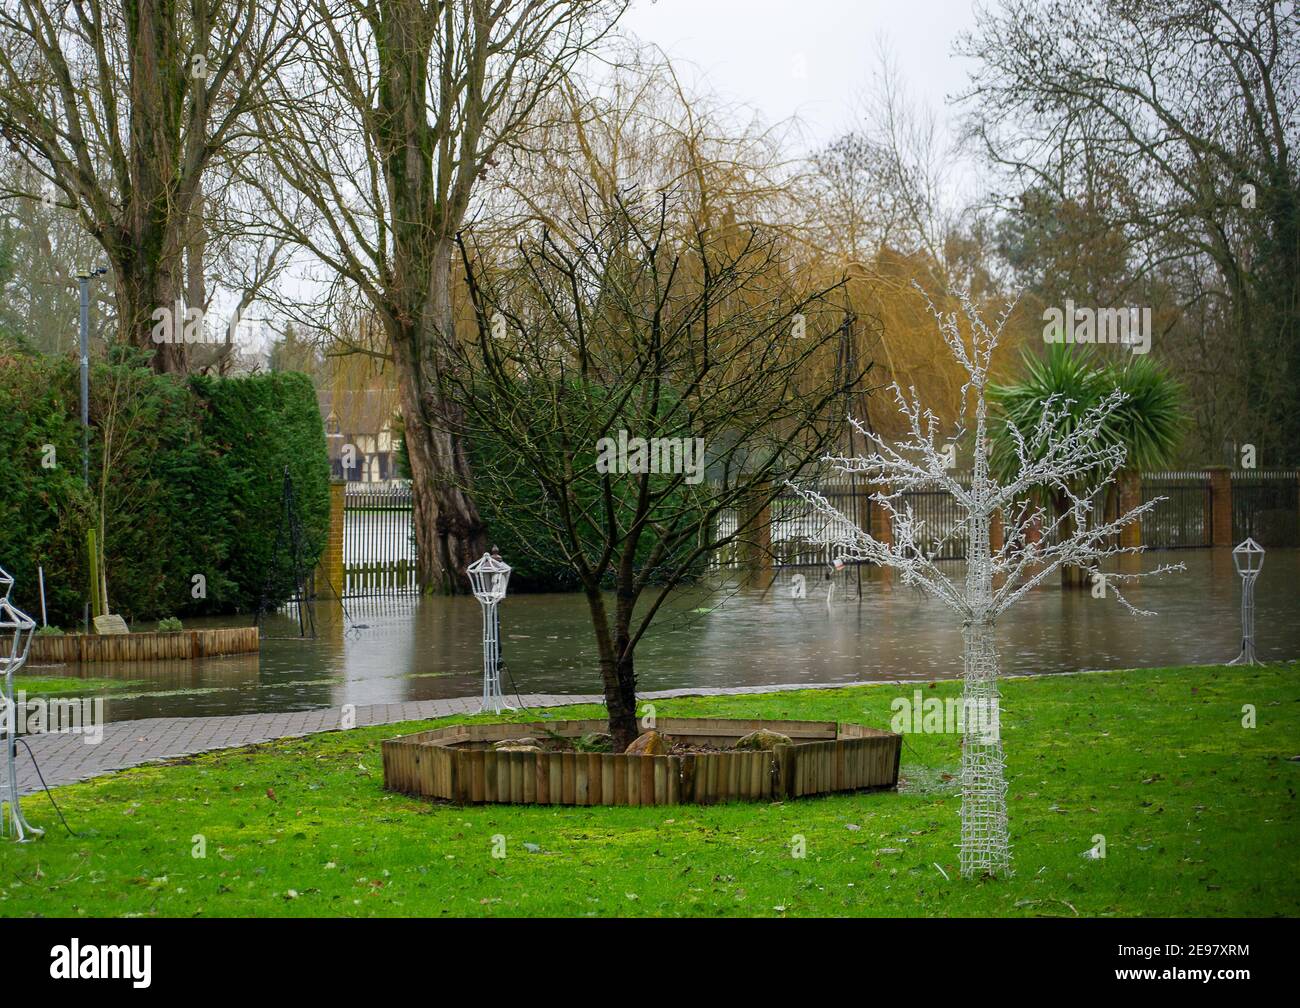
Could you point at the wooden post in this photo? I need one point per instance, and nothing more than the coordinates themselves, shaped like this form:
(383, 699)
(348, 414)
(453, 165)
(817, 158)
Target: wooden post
(329, 572)
(92, 555)
(755, 538)
(1220, 523)
(1130, 496)
(996, 541)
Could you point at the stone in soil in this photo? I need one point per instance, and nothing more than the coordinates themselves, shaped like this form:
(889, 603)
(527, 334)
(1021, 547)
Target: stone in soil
(763, 738)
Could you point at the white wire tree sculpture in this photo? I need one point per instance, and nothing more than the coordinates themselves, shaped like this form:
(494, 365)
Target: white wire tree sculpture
(1063, 452)
(16, 629)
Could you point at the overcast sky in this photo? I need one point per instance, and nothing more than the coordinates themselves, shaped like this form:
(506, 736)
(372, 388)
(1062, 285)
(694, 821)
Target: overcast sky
(808, 58)
(799, 58)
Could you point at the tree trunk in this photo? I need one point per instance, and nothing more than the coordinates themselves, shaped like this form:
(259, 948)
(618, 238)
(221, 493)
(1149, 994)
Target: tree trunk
(156, 211)
(620, 701)
(985, 845)
(140, 290)
(1071, 576)
(449, 534)
(618, 677)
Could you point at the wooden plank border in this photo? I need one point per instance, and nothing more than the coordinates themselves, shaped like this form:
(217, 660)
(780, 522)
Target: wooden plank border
(146, 646)
(823, 758)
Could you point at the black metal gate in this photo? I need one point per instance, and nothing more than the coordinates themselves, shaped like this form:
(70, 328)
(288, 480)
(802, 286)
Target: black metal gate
(1266, 507)
(1185, 519)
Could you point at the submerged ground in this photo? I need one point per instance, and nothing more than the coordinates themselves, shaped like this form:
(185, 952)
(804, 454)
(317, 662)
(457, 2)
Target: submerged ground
(394, 649)
(1197, 811)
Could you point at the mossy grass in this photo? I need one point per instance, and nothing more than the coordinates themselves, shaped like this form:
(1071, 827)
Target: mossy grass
(1198, 813)
(57, 686)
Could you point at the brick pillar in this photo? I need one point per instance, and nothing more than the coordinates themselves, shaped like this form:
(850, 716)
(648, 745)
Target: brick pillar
(755, 539)
(1130, 496)
(996, 542)
(329, 572)
(864, 505)
(882, 530)
(1220, 505)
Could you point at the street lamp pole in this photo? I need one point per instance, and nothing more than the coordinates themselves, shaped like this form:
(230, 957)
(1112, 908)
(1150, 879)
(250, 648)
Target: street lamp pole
(1248, 558)
(488, 577)
(83, 285)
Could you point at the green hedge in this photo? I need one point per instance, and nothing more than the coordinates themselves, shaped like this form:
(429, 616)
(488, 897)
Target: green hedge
(44, 507)
(258, 425)
(194, 478)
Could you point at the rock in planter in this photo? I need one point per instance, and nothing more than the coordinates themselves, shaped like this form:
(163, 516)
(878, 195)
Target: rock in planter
(649, 743)
(526, 740)
(516, 748)
(762, 738)
(596, 742)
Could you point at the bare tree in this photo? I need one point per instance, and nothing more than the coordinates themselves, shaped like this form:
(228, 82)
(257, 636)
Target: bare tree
(123, 108)
(1193, 104)
(42, 247)
(386, 122)
(890, 181)
(635, 380)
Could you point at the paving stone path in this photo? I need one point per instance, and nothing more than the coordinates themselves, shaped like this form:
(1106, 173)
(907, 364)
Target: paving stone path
(64, 758)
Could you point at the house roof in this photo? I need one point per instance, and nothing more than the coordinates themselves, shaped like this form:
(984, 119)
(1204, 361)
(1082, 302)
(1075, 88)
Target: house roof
(359, 411)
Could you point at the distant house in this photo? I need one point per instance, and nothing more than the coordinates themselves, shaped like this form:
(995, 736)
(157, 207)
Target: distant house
(359, 433)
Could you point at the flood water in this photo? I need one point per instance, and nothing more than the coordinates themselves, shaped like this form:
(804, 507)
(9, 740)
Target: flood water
(389, 650)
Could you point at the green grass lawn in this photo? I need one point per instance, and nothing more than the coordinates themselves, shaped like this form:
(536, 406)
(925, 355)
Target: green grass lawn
(59, 686)
(1198, 814)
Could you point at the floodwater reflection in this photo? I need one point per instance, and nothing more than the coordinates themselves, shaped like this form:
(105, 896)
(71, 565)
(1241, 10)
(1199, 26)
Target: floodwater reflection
(388, 650)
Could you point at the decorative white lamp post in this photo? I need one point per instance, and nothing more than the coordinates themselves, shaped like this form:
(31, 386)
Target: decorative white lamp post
(16, 629)
(1248, 557)
(488, 577)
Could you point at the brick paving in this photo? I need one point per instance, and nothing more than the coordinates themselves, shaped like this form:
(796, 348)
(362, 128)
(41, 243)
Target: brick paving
(65, 758)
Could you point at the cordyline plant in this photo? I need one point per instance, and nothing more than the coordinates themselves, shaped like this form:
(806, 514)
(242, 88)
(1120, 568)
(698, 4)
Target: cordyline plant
(1077, 464)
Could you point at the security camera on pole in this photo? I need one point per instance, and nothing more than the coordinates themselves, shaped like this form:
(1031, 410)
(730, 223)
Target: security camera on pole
(488, 577)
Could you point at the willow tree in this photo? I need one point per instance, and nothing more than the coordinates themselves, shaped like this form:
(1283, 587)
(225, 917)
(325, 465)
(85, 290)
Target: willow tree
(387, 122)
(121, 108)
(1074, 460)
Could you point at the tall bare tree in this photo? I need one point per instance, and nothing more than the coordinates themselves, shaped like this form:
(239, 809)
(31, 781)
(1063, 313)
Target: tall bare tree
(387, 121)
(122, 106)
(42, 246)
(1193, 104)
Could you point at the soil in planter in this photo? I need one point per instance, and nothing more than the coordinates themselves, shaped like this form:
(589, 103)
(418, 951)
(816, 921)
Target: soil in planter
(598, 744)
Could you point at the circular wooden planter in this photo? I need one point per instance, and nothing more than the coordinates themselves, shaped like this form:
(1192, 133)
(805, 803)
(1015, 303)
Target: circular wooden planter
(458, 764)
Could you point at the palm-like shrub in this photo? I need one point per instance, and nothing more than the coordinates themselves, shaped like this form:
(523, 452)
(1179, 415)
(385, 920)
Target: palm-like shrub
(1148, 423)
